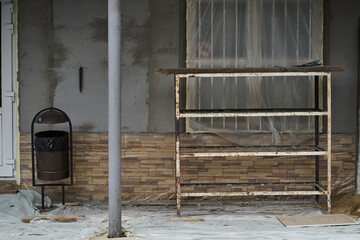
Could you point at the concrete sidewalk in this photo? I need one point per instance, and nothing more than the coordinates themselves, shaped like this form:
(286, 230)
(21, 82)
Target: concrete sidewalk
(229, 222)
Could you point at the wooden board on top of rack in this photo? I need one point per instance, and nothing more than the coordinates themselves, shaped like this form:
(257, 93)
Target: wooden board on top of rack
(249, 70)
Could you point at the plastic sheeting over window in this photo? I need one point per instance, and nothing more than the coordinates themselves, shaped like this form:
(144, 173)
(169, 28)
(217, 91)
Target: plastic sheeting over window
(252, 33)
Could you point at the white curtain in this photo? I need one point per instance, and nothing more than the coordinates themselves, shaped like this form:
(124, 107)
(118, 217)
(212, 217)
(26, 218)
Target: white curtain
(252, 33)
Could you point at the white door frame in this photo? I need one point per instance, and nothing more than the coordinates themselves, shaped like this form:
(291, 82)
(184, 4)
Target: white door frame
(7, 146)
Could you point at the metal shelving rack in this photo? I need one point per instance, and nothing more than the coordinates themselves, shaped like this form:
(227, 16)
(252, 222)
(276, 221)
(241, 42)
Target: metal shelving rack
(308, 150)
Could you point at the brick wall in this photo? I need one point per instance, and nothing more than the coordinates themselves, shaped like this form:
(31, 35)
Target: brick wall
(148, 166)
(8, 185)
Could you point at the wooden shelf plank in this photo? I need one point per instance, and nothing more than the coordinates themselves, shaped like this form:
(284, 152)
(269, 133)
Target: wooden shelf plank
(317, 69)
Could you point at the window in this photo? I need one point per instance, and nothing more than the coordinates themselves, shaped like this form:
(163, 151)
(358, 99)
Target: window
(252, 33)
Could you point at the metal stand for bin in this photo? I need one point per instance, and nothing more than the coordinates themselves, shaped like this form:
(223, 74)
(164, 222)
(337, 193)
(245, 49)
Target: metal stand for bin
(51, 116)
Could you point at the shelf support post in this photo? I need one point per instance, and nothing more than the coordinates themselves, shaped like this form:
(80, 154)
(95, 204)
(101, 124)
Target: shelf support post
(328, 78)
(317, 177)
(177, 144)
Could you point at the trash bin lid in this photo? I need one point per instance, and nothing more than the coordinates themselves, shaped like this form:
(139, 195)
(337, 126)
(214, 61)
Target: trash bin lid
(51, 117)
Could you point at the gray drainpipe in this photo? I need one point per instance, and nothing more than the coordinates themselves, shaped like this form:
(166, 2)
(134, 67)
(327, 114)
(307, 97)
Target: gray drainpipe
(357, 164)
(114, 127)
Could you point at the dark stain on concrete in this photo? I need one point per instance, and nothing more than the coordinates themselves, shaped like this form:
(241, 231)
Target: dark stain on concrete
(57, 52)
(86, 127)
(49, 31)
(140, 36)
(142, 51)
(167, 51)
(60, 27)
(104, 63)
(54, 79)
(100, 29)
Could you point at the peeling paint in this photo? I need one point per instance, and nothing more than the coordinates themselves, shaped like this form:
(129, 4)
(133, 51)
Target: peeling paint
(100, 29)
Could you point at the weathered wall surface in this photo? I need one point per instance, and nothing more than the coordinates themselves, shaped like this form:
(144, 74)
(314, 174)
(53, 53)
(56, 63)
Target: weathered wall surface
(56, 38)
(164, 54)
(341, 41)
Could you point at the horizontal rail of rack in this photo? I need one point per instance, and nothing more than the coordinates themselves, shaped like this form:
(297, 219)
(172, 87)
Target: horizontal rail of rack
(242, 151)
(249, 71)
(252, 113)
(284, 184)
(264, 74)
(292, 147)
(251, 154)
(322, 190)
(254, 193)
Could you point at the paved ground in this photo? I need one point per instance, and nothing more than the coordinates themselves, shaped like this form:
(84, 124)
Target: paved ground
(154, 222)
(230, 222)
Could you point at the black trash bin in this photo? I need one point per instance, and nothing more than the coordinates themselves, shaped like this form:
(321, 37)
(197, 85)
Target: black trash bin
(52, 157)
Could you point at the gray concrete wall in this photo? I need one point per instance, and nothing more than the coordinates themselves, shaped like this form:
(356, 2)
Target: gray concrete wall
(164, 54)
(341, 49)
(57, 37)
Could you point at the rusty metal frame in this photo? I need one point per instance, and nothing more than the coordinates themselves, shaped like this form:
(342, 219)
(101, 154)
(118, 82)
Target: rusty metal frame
(251, 113)
(254, 193)
(316, 151)
(328, 85)
(320, 186)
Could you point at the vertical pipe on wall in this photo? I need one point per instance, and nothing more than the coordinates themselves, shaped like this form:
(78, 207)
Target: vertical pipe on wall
(224, 58)
(212, 61)
(236, 60)
(357, 167)
(200, 40)
(114, 56)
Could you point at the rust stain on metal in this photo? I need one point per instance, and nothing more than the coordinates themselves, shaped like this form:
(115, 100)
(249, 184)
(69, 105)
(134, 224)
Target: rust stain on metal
(177, 96)
(178, 196)
(177, 145)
